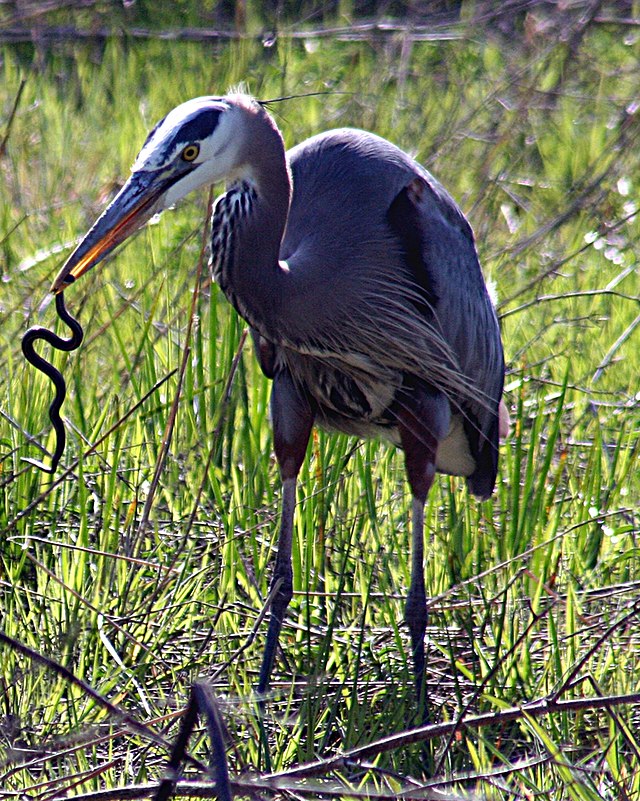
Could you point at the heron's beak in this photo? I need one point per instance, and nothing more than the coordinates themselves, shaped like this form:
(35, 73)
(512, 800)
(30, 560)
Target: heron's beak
(137, 202)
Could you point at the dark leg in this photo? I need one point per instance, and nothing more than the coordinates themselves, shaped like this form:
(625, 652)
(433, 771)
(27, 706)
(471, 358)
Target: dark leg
(422, 421)
(292, 422)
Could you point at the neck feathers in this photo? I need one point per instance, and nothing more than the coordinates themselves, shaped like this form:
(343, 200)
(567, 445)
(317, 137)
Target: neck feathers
(229, 215)
(248, 222)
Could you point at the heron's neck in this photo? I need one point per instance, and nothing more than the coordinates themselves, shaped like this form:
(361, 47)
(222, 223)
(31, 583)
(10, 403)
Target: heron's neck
(247, 228)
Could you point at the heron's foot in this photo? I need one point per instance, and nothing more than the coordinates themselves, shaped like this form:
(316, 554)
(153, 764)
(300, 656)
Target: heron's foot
(281, 593)
(416, 617)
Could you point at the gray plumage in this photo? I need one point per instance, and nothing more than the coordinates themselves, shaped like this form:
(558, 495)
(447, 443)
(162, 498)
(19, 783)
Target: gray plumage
(359, 277)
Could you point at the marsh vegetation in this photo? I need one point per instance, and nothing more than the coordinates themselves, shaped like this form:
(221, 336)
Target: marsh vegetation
(138, 587)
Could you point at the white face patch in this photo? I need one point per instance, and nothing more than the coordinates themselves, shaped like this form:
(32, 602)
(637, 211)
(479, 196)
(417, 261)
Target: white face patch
(214, 126)
(198, 118)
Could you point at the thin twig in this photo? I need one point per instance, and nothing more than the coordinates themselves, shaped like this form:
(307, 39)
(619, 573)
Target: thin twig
(13, 35)
(535, 618)
(12, 116)
(167, 785)
(575, 670)
(624, 336)
(251, 636)
(123, 717)
(475, 579)
(23, 540)
(86, 603)
(587, 293)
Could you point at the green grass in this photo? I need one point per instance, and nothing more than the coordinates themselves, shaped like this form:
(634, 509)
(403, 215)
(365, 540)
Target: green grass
(539, 143)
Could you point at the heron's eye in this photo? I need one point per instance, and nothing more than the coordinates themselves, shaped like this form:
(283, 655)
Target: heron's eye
(190, 153)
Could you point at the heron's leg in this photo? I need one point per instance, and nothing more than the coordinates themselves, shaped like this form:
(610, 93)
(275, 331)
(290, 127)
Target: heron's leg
(292, 423)
(420, 470)
(421, 424)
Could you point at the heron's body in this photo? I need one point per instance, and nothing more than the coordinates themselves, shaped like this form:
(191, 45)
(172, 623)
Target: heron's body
(359, 277)
(375, 249)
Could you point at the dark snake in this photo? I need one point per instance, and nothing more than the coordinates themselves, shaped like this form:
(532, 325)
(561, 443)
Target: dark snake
(59, 343)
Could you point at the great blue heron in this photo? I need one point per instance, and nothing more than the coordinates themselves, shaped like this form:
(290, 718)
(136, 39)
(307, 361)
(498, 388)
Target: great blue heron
(359, 278)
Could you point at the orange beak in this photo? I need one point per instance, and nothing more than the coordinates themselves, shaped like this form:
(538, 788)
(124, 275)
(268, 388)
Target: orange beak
(136, 203)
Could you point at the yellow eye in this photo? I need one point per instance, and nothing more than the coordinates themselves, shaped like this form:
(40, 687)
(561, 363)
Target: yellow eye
(190, 153)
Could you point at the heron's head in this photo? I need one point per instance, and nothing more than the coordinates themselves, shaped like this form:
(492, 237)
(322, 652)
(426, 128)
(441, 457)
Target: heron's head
(197, 144)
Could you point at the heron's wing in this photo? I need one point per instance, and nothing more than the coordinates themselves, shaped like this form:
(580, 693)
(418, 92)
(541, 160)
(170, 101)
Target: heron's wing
(441, 254)
(385, 280)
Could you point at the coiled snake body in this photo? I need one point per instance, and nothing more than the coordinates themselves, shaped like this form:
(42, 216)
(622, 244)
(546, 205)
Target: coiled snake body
(59, 343)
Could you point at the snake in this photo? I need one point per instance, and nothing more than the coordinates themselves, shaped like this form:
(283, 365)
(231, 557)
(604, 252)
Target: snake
(31, 336)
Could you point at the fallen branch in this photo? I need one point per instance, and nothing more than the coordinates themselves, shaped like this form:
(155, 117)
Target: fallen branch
(535, 709)
(282, 782)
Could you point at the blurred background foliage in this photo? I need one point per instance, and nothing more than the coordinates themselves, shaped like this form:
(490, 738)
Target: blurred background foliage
(528, 113)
